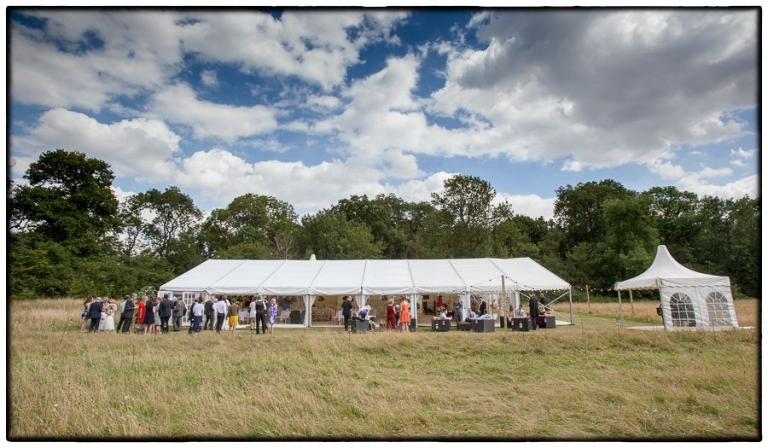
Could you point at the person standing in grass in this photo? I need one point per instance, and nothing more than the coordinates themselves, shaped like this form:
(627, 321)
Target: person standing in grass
(232, 316)
(84, 315)
(179, 308)
(94, 313)
(391, 319)
(165, 311)
(208, 307)
(128, 313)
(149, 316)
(458, 310)
(272, 313)
(221, 313)
(533, 309)
(252, 312)
(405, 314)
(141, 314)
(261, 314)
(197, 312)
(346, 311)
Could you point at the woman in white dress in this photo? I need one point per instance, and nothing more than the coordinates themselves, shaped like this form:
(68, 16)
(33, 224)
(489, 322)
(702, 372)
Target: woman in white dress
(109, 319)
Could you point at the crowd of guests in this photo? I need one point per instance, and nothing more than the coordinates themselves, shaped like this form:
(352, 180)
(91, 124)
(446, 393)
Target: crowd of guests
(157, 314)
(153, 315)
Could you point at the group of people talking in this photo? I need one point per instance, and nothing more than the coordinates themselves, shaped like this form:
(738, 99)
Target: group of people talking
(152, 315)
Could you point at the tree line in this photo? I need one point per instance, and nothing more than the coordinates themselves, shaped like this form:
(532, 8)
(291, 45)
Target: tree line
(68, 235)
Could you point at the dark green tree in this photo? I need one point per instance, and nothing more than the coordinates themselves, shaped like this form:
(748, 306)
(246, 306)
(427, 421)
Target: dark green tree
(173, 213)
(250, 222)
(467, 204)
(69, 201)
(578, 211)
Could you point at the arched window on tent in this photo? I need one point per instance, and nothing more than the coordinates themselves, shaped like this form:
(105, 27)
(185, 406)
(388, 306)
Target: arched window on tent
(682, 310)
(717, 307)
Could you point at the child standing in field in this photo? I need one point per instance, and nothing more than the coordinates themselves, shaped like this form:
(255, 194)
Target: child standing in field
(272, 313)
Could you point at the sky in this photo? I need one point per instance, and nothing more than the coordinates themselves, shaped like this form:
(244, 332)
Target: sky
(312, 106)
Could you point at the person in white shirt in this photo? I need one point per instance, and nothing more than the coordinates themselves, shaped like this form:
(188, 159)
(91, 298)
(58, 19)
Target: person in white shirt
(221, 313)
(197, 312)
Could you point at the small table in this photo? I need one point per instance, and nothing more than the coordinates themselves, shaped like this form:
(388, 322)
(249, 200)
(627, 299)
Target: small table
(521, 324)
(441, 325)
(360, 325)
(484, 326)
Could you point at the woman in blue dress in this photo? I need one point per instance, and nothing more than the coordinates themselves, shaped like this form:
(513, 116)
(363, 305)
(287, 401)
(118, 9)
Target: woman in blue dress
(149, 317)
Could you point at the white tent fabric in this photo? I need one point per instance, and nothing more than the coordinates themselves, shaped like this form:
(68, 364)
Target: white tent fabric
(688, 298)
(369, 277)
(362, 278)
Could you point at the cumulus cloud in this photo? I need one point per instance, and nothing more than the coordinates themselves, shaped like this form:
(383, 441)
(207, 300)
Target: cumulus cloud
(604, 88)
(313, 46)
(531, 205)
(109, 54)
(209, 78)
(179, 104)
(739, 157)
(137, 148)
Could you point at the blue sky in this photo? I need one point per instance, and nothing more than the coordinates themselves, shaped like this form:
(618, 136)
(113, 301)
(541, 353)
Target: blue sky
(312, 106)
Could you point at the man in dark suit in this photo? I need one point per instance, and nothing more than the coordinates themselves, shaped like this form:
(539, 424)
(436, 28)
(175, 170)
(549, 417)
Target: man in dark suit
(128, 314)
(346, 311)
(179, 308)
(94, 313)
(164, 311)
(533, 306)
(122, 314)
(208, 311)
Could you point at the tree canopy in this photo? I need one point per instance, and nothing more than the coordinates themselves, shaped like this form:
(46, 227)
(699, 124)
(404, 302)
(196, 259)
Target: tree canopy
(70, 236)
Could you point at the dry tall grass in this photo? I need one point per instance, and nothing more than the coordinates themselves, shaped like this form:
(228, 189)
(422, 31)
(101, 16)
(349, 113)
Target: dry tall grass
(587, 381)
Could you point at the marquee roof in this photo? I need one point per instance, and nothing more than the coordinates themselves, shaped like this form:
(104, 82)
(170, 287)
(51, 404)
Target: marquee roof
(369, 277)
(666, 271)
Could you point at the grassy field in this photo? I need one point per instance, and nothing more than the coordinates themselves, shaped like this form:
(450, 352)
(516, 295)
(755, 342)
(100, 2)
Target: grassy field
(589, 381)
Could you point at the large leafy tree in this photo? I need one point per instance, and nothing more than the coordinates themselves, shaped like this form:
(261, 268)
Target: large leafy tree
(386, 216)
(172, 213)
(252, 226)
(331, 236)
(674, 215)
(68, 200)
(467, 202)
(579, 212)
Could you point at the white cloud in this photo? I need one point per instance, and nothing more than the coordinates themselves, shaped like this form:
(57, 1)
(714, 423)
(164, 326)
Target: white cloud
(179, 104)
(219, 176)
(707, 172)
(140, 147)
(139, 50)
(747, 186)
(531, 205)
(739, 157)
(536, 83)
(666, 170)
(314, 46)
(209, 78)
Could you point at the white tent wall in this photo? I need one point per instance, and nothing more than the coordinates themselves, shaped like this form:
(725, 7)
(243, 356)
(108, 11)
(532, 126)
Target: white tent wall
(700, 300)
(707, 312)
